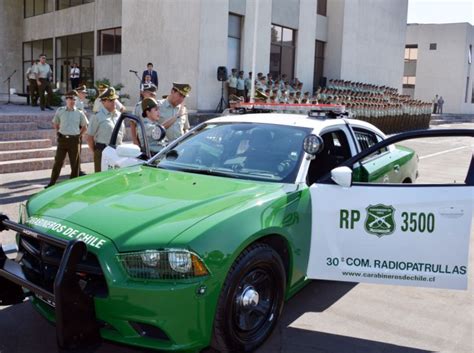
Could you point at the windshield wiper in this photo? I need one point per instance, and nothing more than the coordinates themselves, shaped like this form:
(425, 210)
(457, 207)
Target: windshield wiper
(204, 171)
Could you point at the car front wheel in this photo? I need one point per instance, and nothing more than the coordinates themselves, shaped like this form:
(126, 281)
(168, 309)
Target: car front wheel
(251, 300)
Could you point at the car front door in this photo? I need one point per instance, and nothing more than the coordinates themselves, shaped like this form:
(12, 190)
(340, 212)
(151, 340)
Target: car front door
(403, 234)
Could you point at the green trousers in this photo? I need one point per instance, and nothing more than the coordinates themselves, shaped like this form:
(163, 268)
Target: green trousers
(66, 146)
(45, 87)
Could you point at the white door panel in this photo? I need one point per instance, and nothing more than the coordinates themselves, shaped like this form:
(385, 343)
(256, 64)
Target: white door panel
(402, 235)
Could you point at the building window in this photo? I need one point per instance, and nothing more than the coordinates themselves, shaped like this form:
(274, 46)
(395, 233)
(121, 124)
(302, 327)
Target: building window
(318, 79)
(469, 55)
(411, 52)
(234, 38)
(32, 51)
(110, 41)
(432, 46)
(409, 81)
(322, 7)
(282, 52)
(64, 4)
(37, 7)
(75, 49)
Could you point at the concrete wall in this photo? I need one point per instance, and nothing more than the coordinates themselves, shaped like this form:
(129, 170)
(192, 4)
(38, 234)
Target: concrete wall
(306, 43)
(333, 53)
(11, 23)
(72, 20)
(443, 71)
(109, 66)
(286, 13)
(173, 45)
(366, 40)
(212, 52)
(237, 6)
(264, 22)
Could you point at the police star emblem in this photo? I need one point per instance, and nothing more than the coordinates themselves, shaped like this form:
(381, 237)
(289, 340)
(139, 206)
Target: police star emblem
(380, 220)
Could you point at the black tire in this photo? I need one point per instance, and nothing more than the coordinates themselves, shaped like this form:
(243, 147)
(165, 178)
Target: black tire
(244, 319)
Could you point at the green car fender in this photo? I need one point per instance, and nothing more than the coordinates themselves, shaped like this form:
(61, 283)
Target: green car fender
(282, 219)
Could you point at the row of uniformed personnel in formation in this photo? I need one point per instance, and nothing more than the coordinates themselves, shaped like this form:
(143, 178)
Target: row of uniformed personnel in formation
(71, 122)
(382, 106)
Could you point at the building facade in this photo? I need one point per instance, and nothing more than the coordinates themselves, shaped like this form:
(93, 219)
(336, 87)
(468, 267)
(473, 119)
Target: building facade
(187, 40)
(438, 61)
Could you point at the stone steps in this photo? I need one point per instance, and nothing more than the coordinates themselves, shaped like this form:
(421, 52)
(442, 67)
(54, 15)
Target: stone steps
(35, 160)
(44, 118)
(28, 135)
(34, 153)
(18, 126)
(24, 144)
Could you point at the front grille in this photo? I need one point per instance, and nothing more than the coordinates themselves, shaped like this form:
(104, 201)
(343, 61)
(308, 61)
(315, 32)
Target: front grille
(40, 262)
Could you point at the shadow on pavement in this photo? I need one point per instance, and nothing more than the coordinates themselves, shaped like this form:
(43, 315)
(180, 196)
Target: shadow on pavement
(23, 330)
(322, 342)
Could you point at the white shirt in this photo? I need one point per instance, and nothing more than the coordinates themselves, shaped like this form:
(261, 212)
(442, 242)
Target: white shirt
(75, 72)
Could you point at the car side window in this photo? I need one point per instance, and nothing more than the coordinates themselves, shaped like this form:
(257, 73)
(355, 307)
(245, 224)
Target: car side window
(367, 139)
(336, 150)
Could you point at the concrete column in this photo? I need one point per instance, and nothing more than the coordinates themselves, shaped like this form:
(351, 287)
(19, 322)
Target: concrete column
(333, 55)
(264, 22)
(214, 19)
(11, 22)
(305, 45)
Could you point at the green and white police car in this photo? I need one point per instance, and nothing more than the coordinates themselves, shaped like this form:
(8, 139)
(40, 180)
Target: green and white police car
(202, 244)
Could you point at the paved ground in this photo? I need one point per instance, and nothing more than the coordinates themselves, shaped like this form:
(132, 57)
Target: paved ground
(326, 317)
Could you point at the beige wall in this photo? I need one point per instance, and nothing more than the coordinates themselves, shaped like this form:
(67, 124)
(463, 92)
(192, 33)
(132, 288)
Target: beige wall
(366, 40)
(306, 43)
(11, 23)
(173, 45)
(444, 71)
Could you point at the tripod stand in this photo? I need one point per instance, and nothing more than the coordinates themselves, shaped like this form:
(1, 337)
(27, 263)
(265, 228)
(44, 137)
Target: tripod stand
(8, 79)
(222, 102)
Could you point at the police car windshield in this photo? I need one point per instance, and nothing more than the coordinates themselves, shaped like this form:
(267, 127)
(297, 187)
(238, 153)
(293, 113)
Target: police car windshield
(239, 150)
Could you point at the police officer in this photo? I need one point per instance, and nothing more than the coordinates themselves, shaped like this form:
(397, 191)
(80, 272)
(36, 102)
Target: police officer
(43, 73)
(102, 125)
(32, 84)
(148, 91)
(97, 103)
(173, 113)
(81, 92)
(70, 123)
(153, 129)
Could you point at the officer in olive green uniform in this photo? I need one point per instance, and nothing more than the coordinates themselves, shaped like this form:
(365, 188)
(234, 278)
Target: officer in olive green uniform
(154, 132)
(148, 91)
(173, 113)
(70, 123)
(81, 93)
(43, 73)
(102, 125)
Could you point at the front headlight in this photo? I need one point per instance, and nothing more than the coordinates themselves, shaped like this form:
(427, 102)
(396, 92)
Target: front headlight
(166, 264)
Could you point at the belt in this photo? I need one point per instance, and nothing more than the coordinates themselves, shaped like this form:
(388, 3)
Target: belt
(100, 146)
(67, 136)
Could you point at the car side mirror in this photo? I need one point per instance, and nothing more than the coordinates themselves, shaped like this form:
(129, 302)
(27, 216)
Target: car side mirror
(342, 176)
(128, 150)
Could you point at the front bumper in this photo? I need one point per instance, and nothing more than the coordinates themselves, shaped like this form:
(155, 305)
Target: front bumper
(171, 315)
(76, 324)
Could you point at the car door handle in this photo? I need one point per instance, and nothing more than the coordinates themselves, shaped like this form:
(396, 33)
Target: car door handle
(396, 168)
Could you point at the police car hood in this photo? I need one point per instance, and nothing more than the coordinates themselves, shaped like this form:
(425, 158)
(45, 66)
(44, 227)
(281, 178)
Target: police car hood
(143, 206)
